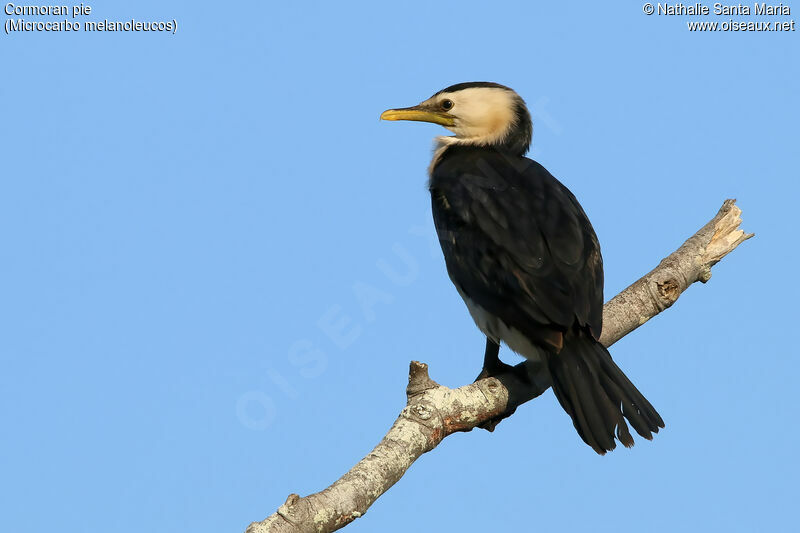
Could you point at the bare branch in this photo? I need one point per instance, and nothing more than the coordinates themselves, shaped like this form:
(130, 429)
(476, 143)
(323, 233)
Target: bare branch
(660, 288)
(433, 411)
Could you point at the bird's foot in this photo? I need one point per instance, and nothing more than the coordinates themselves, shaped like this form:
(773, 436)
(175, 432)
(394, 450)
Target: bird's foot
(494, 367)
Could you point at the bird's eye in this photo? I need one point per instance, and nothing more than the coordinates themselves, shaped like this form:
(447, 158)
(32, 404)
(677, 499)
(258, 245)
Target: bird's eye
(447, 105)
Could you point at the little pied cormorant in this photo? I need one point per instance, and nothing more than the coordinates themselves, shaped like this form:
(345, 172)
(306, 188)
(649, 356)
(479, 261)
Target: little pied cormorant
(524, 257)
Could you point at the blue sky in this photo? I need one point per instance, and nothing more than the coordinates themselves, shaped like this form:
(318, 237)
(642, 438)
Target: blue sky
(186, 220)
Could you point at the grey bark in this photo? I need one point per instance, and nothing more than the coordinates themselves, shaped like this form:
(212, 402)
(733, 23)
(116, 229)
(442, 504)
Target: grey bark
(434, 411)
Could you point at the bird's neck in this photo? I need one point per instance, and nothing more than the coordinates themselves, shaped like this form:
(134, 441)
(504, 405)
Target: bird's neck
(515, 144)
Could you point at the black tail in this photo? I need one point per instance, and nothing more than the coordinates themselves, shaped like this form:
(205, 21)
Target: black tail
(596, 394)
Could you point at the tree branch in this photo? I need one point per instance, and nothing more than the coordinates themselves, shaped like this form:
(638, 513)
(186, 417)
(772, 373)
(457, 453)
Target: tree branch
(660, 288)
(433, 411)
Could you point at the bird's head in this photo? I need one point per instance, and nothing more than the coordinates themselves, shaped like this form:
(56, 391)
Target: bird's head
(479, 113)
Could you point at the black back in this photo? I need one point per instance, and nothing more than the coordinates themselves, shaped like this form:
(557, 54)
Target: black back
(517, 242)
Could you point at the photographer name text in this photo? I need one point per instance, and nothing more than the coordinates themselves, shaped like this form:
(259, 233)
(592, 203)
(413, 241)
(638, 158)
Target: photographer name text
(699, 9)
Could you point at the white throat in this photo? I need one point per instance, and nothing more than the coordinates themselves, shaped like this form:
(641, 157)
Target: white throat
(484, 116)
(440, 144)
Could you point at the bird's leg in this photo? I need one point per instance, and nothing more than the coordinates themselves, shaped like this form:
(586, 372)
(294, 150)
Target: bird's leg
(507, 374)
(492, 365)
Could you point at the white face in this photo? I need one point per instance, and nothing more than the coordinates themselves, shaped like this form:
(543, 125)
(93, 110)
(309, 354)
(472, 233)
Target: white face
(483, 114)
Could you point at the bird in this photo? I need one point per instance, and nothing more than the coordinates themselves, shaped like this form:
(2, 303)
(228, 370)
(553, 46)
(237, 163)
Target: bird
(524, 257)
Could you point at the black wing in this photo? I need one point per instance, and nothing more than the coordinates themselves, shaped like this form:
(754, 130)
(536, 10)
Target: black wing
(517, 242)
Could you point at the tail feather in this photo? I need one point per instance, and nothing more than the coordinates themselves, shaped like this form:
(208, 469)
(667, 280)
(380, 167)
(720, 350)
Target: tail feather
(595, 405)
(598, 396)
(622, 401)
(588, 420)
(633, 401)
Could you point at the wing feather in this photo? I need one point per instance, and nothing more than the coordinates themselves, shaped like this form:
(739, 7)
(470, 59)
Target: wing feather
(516, 241)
